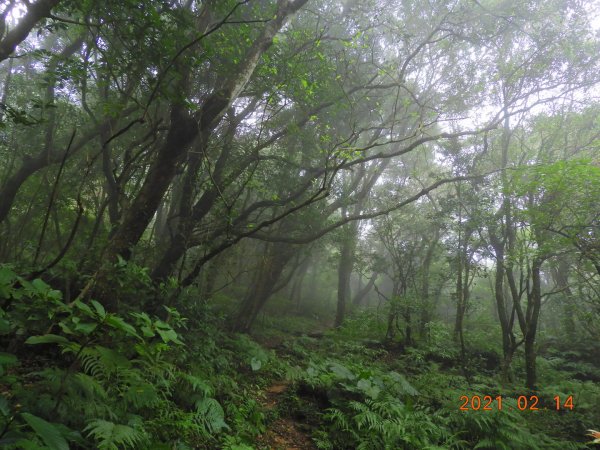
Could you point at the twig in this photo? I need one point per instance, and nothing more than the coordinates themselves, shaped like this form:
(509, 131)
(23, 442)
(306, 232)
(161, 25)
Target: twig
(53, 197)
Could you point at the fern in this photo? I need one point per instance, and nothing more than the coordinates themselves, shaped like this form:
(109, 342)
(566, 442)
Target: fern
(141, 394)
(387, 423)
(401, 384)
(211, 415)
(111, 436)
(89, 387)
(338, 418)
(197, 384)
(370, 420)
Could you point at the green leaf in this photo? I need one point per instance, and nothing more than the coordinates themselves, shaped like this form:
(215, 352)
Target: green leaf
(4, 406)
(65, 328)
(341, 371)
(197, 384)
(4, 326)
(55, 295)
(47, 432)
(168, 335)
(20, 441)
(7, 359)
(147, 331)
(47, 339)
(212, 414)
(7, 276)
(404, 385)
(368, 388)
(85, 308)
(85, 327)
(40, 286)
(142, 395)
(118, 323)
(256, 364)
(99, 308)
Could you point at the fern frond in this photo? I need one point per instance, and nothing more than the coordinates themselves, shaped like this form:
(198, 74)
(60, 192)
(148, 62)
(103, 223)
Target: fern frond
(142, 395)
(111, 436)
(197, 384)
(338, 418)
(89, 386)
(369, 420)
(211, 415)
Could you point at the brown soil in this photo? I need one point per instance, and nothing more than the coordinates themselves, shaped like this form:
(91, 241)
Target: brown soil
(284, 433)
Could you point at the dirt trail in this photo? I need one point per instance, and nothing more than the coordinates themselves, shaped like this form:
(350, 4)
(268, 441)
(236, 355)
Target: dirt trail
(284, 433)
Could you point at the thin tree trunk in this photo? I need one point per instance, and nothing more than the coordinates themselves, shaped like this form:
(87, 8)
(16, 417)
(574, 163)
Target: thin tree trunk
(534, 302)
(189, 215)
(296, 291)
(426, 315)
(49, 154)
(392, 321)
(499, 244)
(361, 295)
(275, 260)
(561, 278)
(505, 324)
(345, 266)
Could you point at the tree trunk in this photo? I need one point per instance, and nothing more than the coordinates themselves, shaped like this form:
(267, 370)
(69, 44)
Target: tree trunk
(390, 333)
(183, 130)
(460, 310)
(211, 275)
(408, 328)
(360, 295)
(426, 315)
(462, 288)
(350, 236)
(35, 12)
(392, 322)
(296, 291)
(561, 278)
(185, 222)
(189, 215)
(49, 155)
(499, 245)
(345, 266)
(534, 302)
(505, 324)
(276, 257)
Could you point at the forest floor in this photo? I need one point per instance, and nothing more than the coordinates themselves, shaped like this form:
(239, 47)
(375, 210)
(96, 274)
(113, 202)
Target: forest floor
(288, 431)
(330, 373)
(284, 433)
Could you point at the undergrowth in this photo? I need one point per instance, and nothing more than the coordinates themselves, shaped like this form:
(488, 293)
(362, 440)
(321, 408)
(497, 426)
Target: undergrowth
(77, 376)
(388, 398)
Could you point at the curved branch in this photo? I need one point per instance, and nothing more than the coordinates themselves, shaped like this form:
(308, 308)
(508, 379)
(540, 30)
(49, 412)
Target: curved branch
(324, 231)
(18, 34)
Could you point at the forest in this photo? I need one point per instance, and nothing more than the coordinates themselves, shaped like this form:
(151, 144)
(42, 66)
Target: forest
(299, 224)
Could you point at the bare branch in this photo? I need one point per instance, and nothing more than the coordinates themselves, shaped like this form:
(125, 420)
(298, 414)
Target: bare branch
(372, 215)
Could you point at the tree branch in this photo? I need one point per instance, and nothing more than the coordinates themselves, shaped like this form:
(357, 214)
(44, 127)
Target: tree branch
(324, 231)
(14, 37)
